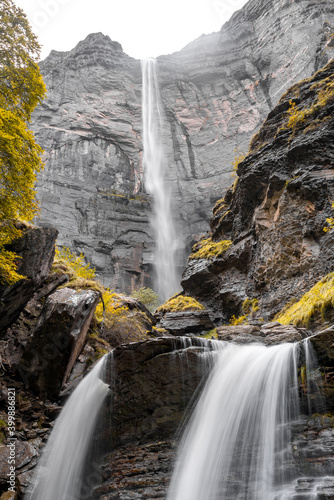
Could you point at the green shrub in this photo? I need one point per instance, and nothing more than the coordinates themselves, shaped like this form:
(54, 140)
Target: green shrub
(148, 297)
(179, 303)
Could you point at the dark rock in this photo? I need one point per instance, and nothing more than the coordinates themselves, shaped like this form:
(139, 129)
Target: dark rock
(36, 249)
(152, 383)
(181, 323)
(58, 339)
(277, 213)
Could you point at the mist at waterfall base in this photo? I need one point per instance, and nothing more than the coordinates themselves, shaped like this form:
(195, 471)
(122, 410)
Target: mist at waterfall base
(59, 474)
(166, 280)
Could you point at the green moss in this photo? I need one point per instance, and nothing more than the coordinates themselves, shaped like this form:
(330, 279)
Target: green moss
(210, 334)
(316, 304)
(209, 249)
(180, 303)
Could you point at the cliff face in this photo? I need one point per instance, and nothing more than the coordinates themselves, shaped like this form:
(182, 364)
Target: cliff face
(216, 93)
(275, 214)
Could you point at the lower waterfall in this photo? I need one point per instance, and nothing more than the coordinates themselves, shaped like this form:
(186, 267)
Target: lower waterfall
(235, 446)
(60, 469)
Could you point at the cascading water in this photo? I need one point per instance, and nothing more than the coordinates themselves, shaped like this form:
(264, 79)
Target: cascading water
(154, 163)
(235, 446)
(60, 469)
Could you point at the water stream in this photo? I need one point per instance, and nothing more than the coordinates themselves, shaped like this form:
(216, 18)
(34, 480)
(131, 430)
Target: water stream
(155, 165)
(235, 446)
(60, 469)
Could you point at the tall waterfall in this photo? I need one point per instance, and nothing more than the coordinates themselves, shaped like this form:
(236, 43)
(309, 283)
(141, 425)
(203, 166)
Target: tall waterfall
(60, 469)
(235, 446)
(154, 163)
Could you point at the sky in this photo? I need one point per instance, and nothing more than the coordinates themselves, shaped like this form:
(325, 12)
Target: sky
(144, 28)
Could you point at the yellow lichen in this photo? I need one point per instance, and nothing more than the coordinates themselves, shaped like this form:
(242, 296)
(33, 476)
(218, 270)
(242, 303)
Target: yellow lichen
(178, 303)
(315, 304)
(209, 249)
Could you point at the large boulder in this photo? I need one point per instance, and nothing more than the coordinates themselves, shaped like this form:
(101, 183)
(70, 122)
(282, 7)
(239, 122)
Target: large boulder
(57, 341)
(36, 249)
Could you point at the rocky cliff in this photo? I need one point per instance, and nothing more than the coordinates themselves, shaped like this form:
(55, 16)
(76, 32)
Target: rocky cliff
(216, 93)
(271, 222)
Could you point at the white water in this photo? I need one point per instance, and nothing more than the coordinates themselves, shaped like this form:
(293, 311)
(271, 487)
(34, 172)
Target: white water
(154, 163)
(60, 469)
(234, 447)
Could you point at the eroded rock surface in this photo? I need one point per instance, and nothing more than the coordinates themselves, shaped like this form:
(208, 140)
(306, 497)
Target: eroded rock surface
(216, 93)
(276, 213)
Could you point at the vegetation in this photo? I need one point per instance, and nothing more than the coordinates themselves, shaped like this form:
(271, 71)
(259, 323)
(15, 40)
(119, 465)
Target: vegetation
(81, 275)
(249, 308)
(208, 249)
(148, 297)
(211, 334)
(316, 304)
(21, 89)
(330, 222)
(178, 303)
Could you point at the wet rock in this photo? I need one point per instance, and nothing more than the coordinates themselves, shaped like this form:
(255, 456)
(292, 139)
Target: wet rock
(268, 334)
(152, 383)
(58, 339)
(137, 471)
(36, 249)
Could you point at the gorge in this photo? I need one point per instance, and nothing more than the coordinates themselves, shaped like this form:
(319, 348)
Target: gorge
(241, 361)
(215, 94)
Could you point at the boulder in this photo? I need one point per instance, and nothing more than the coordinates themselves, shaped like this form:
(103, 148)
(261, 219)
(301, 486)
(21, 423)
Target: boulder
(181, 323)
(57, 340)
(36, 251)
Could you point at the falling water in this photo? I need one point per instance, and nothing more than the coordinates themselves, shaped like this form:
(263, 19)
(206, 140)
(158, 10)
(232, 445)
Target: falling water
(235, 445)
(59, 472)
(154, 163)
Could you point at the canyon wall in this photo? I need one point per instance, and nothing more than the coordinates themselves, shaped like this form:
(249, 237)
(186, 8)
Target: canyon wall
(216, 93)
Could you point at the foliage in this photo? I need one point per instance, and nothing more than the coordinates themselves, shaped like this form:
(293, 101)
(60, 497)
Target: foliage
(81, 275)
(249, 308)
(239, 157)
(210, 334)
(21, 89)
(148, 297)
(324, 95)
(241, 320)
(121, 322)
(330, 222)
(316, 303)
(208, 249)
(178, 303)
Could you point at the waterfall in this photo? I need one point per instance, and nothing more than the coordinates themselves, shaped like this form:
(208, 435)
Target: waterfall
(60, 469)
(154, 164)
(235, 446)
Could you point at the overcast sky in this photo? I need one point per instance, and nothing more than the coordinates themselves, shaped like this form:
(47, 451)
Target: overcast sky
(144, 28)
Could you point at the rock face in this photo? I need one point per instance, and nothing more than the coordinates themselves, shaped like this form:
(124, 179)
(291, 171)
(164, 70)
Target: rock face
(216, 92)
(276, 213)
(58, 339)
(36, 251)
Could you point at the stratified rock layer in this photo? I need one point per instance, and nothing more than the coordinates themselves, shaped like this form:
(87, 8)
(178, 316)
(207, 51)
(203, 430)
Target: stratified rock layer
(276, 213)
(216, 93)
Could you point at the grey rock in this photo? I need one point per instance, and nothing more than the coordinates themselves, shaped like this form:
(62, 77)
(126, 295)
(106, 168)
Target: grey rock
(216, 93)
(181, 323)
